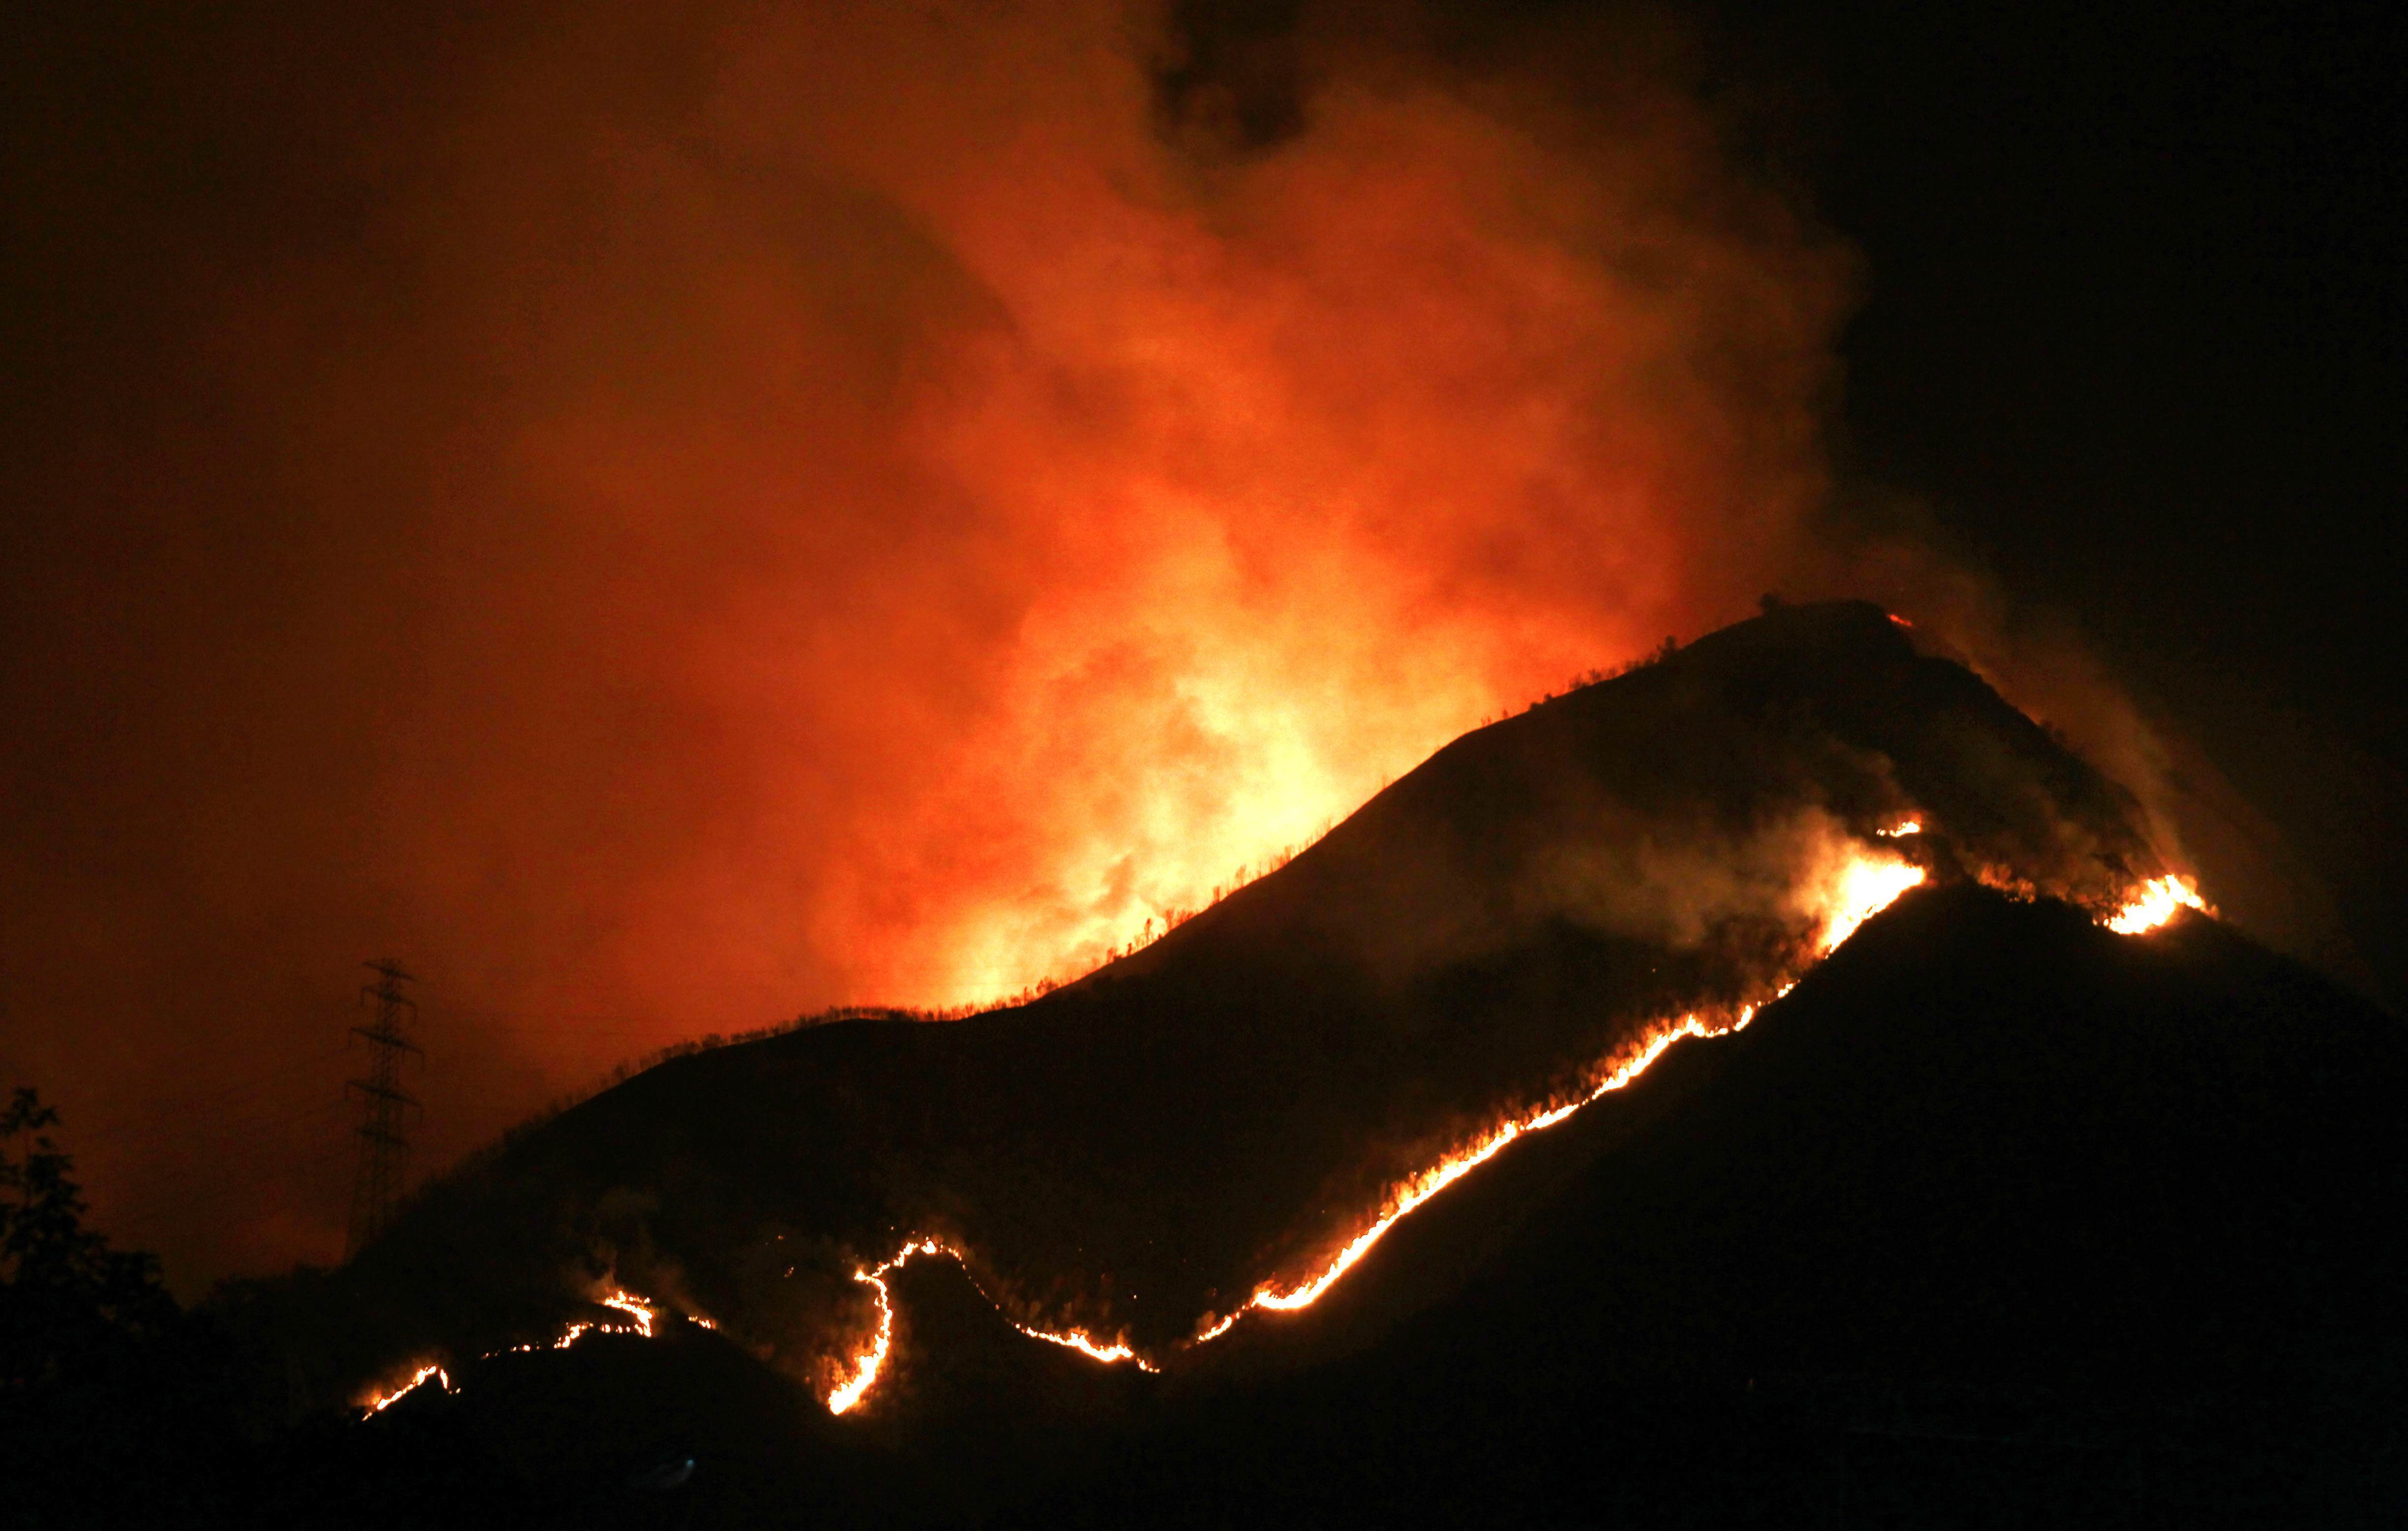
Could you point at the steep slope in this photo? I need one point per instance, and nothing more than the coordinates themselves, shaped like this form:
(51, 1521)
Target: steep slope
(1136, 1154)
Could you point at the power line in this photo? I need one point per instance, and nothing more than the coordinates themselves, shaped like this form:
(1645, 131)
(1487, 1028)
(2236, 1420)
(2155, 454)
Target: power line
(384, 1148)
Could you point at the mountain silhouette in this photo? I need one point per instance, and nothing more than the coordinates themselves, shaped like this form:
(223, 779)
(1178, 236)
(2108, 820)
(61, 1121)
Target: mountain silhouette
(1992, 1179)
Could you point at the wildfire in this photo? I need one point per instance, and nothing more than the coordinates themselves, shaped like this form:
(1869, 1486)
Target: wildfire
(869, 1362)
(1913, 826)
(1403, 1199)
(1865, 886)
(1109, 1354)
(633, 1308)
(425, 1374)
(641, 1314)
(2155, 903)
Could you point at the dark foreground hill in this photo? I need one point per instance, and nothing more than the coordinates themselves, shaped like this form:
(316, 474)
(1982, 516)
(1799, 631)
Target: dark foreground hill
(1997, 1219)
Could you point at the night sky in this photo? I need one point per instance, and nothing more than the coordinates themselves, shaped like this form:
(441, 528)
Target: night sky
(659, 524)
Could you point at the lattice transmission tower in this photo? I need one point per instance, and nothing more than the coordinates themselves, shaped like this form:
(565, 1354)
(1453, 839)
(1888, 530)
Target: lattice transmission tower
(384, 1142)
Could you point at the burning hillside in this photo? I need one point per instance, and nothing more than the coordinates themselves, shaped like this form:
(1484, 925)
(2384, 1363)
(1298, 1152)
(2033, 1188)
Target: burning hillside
(1225, 1122)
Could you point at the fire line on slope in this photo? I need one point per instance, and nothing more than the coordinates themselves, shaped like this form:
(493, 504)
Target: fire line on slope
(869, 1362)
(1866, 885)
(641, 1316)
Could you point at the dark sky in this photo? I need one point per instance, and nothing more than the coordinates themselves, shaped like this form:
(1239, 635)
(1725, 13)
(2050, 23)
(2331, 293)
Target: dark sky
(664, 521)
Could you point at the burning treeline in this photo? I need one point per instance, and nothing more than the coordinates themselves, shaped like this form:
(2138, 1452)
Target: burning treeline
(1224, 1121)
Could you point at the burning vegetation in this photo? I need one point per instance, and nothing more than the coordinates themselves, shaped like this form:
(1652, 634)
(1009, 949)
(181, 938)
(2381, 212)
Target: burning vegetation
(1515, 931)
(1866, 884)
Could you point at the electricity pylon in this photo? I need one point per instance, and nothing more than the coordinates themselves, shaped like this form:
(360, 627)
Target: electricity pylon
(384, 1148)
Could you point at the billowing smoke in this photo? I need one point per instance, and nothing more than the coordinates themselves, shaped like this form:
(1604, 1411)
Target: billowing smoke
(662, 520)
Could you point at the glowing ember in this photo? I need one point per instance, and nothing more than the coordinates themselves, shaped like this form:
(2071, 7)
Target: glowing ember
(423, 1375)
(1913, 826)
(2155, 903)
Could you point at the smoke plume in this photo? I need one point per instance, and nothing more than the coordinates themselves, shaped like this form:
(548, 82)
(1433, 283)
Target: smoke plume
(666, 518)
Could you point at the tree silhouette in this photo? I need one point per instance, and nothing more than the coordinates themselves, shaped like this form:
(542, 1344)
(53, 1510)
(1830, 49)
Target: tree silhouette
(66, 1299)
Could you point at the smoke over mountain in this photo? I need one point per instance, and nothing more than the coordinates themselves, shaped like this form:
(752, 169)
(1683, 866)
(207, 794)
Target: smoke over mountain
(668, 518)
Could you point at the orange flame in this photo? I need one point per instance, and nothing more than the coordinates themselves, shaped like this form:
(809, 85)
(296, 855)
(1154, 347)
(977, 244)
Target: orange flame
(634, 1308)
(870, 1362)
(2155, 903)
(867, 1364)
(1412, 1193)
(1866, 885)
(425, 1374)
(642, 1313)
